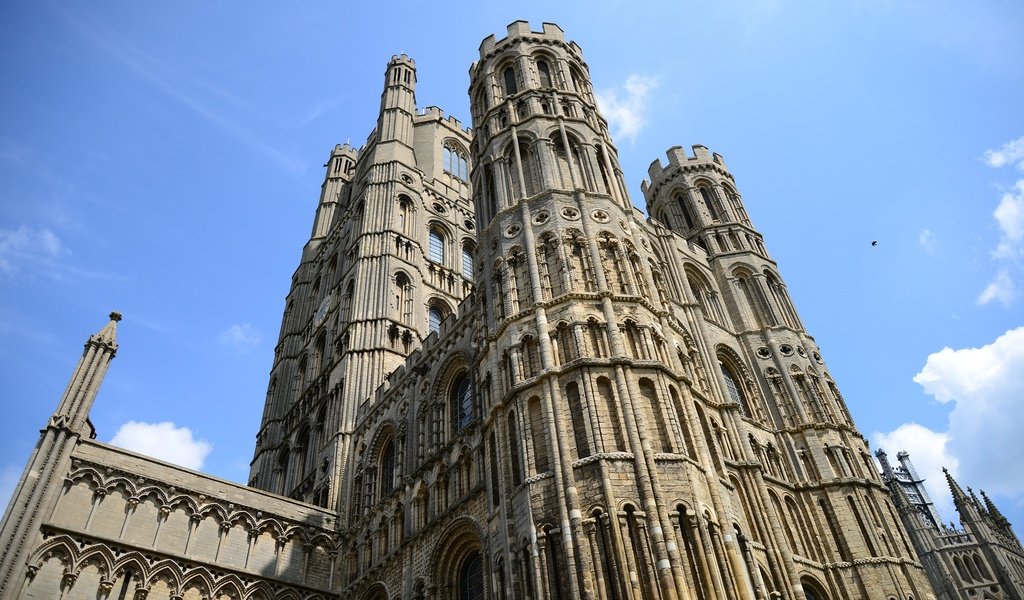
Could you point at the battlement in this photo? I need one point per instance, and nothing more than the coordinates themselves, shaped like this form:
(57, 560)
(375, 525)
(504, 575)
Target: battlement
(435, 113)
(521, 29)
(677, 157)
(401, 59)
(342, 149)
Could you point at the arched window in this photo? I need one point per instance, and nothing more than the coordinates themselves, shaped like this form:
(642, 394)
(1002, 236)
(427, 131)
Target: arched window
(467, 261)
(461, 403)
(387, 468)
(455, 161)
(471, 578)
(733, 389)
(434, 318)
(684, 208)
(544, 73)
(509, 75)
(403, 297)
(404, 214)
(436, 247)
(708, 197)
(812, 590)
(514, 445)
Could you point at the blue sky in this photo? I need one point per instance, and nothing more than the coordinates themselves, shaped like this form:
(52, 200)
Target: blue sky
(166, 161)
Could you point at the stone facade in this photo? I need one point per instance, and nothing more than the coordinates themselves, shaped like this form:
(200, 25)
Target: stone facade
(982, 559)
(497, 379)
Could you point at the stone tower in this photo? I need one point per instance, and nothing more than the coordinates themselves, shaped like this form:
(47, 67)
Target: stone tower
(982, 558)
(389, 257)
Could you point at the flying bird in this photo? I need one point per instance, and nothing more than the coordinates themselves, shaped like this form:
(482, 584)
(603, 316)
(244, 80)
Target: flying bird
(874, 242)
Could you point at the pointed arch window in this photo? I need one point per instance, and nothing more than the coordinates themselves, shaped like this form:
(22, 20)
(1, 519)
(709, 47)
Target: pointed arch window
(461, 402)
(684, 208)
(708, 197)
(509, 76)
(436, 246)
(733, 389)
(387, 468)
(544, 73)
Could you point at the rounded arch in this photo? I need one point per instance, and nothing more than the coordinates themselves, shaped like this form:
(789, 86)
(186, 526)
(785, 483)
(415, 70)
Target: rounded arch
(459, 540)
(376, 591)
(812, 589)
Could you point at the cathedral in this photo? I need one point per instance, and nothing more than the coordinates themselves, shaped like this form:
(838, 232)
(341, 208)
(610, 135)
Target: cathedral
(982, 559)
(497, 379)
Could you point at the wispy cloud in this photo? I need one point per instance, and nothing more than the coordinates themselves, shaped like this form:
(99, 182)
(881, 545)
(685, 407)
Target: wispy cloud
(207, 99)
(1001, 289)
(926, 239)
(1010, 153)
(625, 107)
(165, 441)
(240, 337)
(1009, 217)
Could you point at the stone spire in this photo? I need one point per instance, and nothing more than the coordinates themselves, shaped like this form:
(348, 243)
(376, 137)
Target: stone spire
(76, 403)
(994, 512)
(52, 455)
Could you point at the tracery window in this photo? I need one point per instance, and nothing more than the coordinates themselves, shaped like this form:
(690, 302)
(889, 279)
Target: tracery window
(471, 578)
(455, 161)
(461, 402)
(733, 388)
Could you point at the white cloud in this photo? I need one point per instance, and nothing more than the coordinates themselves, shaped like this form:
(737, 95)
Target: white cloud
(927, 240)
(1009, 215)
(241, 337)
(1001, 288)
(626, 107)
(1011, 153)
(27, 245)
(165, 441)
(985, 386)
(929, 452)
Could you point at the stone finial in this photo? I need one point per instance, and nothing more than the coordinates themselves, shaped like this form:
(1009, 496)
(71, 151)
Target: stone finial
(115, 316)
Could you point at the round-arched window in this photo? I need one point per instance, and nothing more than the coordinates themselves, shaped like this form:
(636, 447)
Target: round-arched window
(471, 578)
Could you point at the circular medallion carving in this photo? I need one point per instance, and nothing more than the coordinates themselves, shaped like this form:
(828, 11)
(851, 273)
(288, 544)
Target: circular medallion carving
(469, 225)
(438, 208)
(786, 350)
(800, 350)
(541, 217)
(512, 230)
(570, 213)
(764, 352)
(600, 216)
(817, 357)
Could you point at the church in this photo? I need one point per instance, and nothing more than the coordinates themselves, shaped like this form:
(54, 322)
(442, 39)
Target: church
(497, 379)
